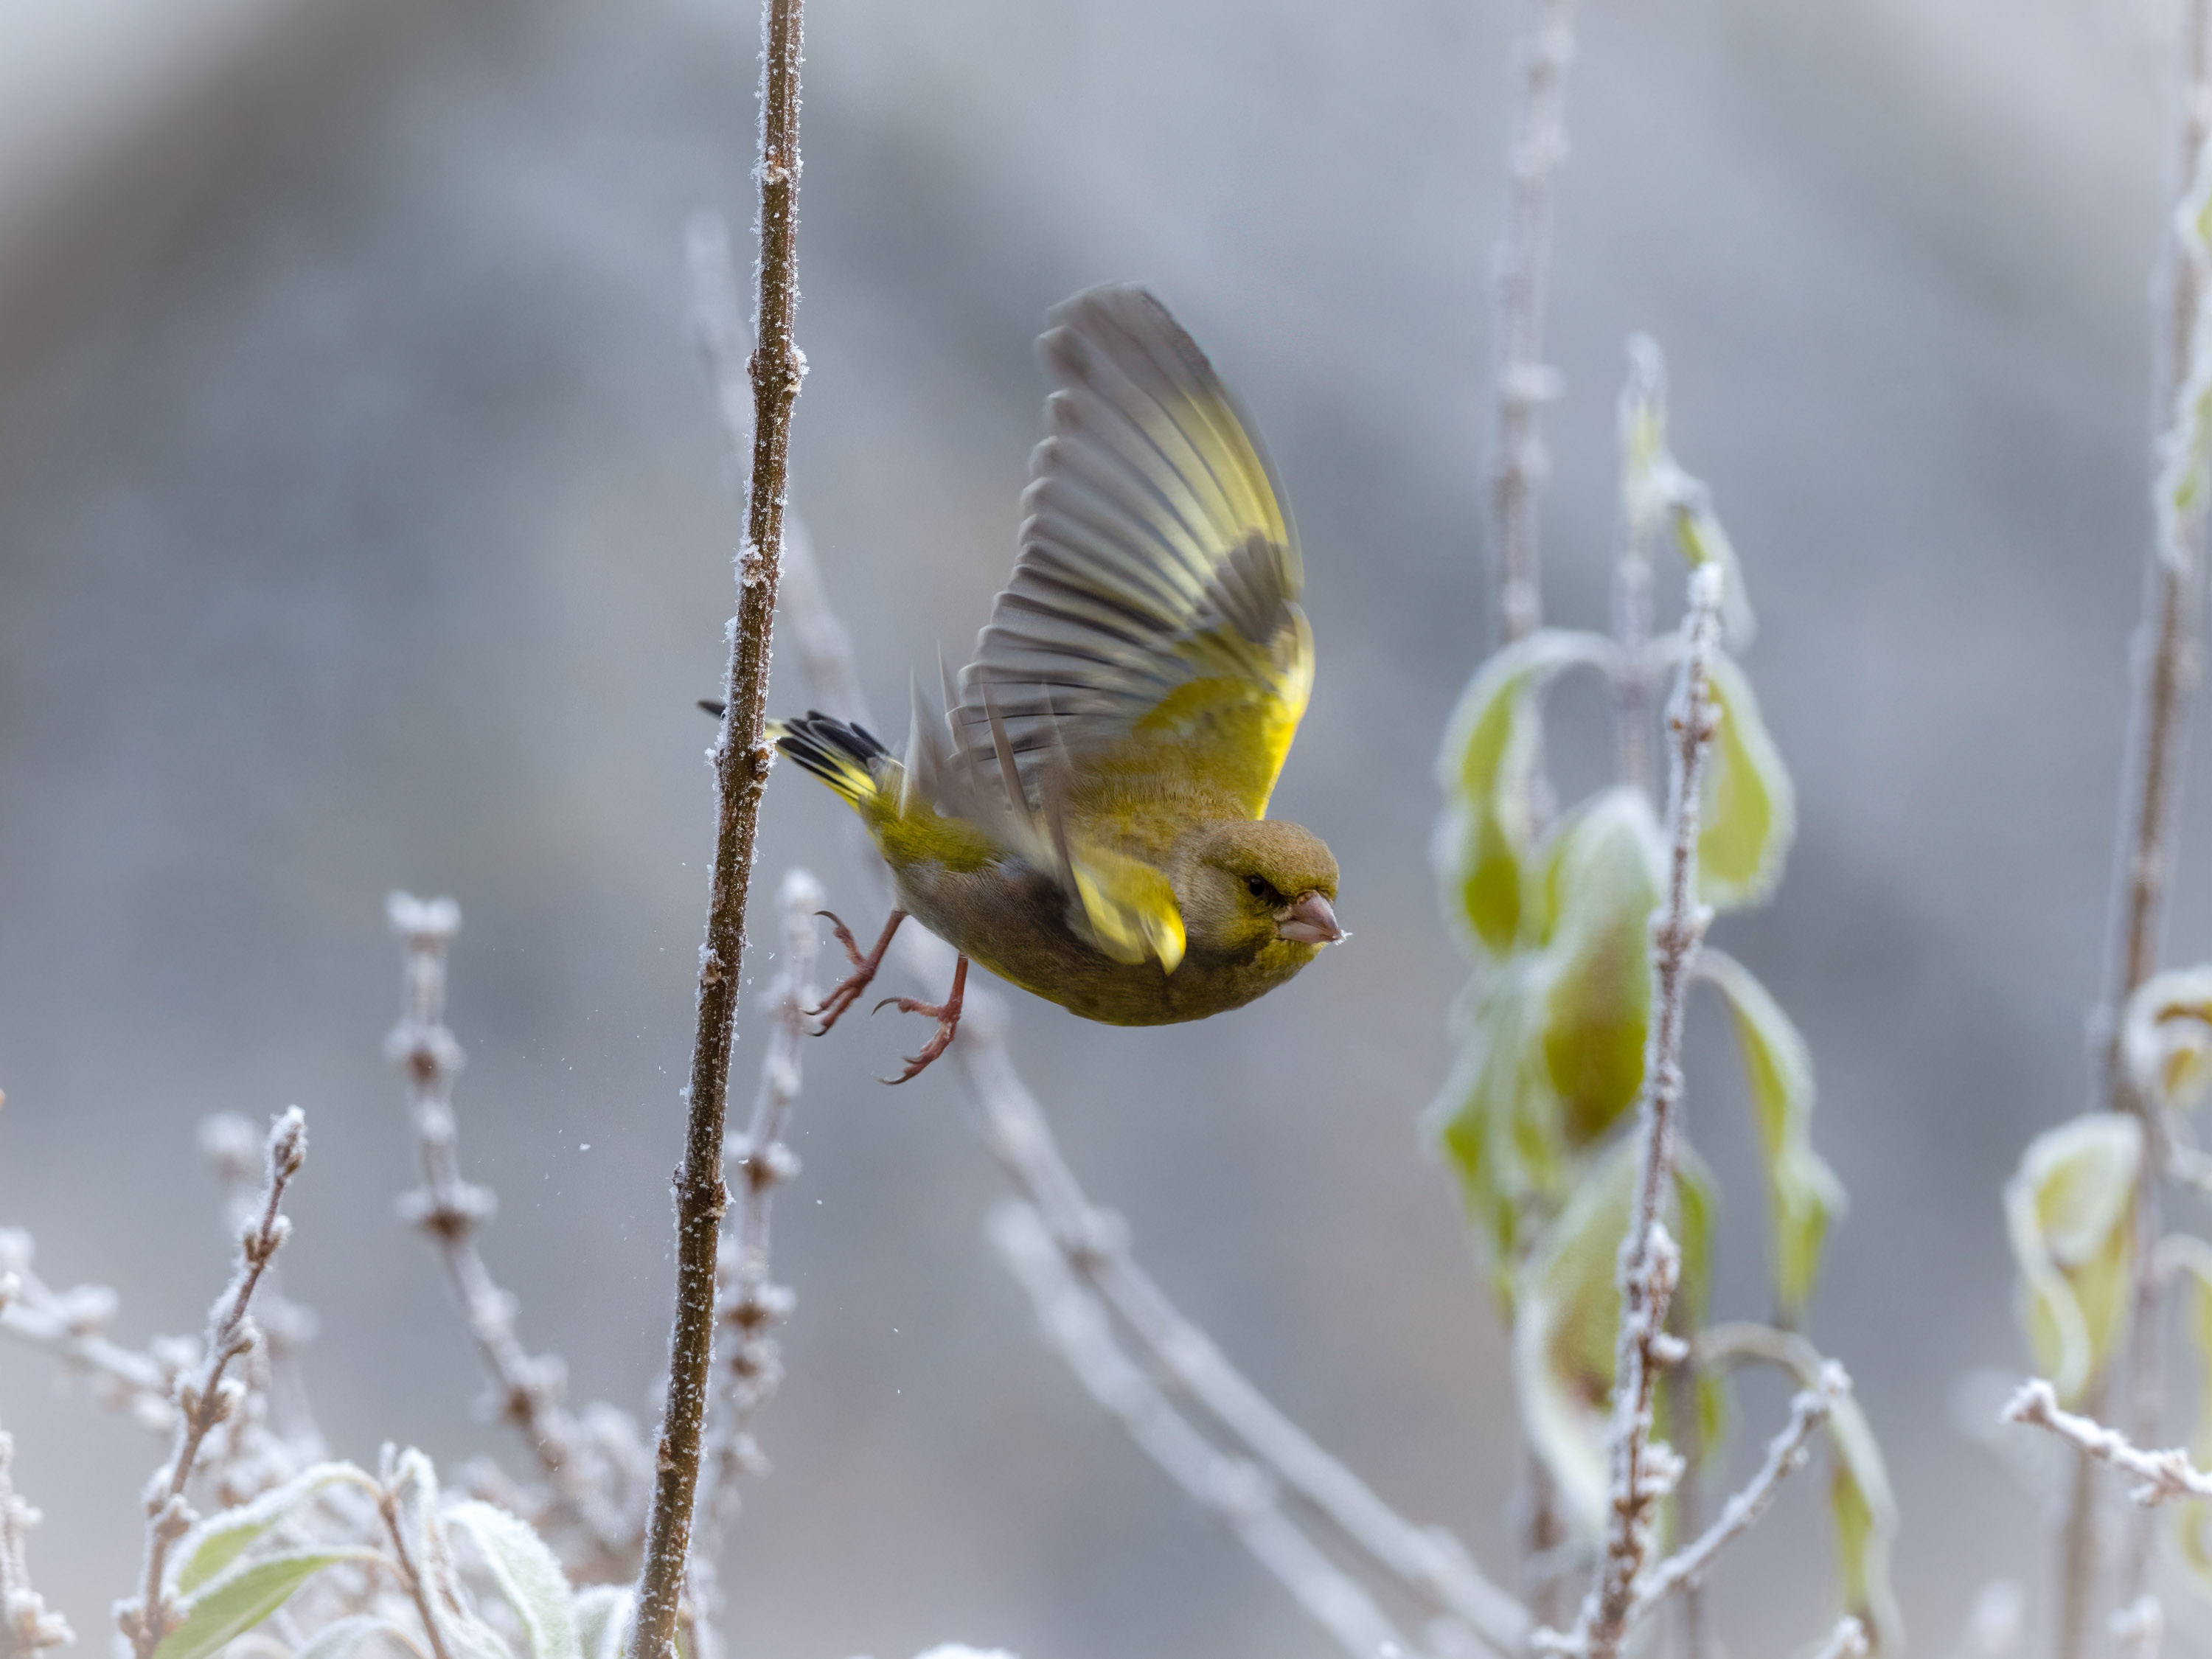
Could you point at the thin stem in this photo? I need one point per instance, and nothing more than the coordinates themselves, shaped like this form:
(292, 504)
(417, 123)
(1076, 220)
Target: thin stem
(2158, 721)
(1523, 384)
(208, 1396)
(450, 1210)
(1785, 1453)
(1848, 1640)
(26, 1625)
(2162, 1475)
(742, 757)
(1232, 1489)
(1649, 1263)
(72, 1325)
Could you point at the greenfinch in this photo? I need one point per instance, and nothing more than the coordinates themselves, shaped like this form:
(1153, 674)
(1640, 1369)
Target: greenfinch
(1090, 822)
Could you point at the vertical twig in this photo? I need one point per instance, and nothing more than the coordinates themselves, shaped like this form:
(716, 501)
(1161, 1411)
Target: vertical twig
(1523, 383)
(526, 1389)
(26, 1625)
(742, 756)
(1649, 1261)
(2168, 664)
(207, 1396)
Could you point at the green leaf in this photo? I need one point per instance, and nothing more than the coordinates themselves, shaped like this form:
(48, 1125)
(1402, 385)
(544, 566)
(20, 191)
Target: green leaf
(2071, 1214)
(527, 1575)
(2188, 440)
(1496, 1122)
(1486, 767)
(1803, 1193)
(1865, 1512)
(1655, 491)
(1594, 979)
(2189, 1521)
(1749, 809)
(1568, 1315)
(603, 1614)
(230, 1605)
(216, 1542)
(2166, 1036)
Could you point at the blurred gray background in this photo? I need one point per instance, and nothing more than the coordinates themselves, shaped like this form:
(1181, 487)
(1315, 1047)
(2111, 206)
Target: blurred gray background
(364, 522)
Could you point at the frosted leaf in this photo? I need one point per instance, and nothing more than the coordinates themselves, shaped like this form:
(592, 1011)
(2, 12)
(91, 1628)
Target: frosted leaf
(1803, 1193)
(1487, 768)
(1655, 493)
(2071, 1216)
(1749, 809)
(2165, 1036)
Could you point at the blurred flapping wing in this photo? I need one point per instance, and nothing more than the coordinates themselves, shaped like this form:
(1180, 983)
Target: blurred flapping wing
(1152, 628)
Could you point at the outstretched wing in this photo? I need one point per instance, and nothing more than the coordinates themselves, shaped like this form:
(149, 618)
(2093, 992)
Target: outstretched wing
(1152, 624)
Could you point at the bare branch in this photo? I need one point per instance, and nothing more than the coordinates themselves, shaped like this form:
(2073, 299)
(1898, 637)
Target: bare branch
(26, 1624)
(1230, 1488)
(72, 1325)
(207, 1396)
(1785, 1455)
(526, 1389)
(1649, 1263)
(742, 757)
(1523, 383)
(2164, 1474)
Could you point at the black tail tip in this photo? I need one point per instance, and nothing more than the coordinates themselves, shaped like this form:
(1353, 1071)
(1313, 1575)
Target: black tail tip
(714, 706)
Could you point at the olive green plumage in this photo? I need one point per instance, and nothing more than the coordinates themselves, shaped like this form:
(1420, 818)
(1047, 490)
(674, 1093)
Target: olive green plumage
(1088, 823)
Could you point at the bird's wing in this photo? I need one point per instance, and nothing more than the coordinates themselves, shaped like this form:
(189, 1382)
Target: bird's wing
(1152, 626)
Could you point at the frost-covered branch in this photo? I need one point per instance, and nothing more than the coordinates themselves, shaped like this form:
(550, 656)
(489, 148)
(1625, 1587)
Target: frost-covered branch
(26, 1624)
(1230, 1488)
(72, 1325)
(1649, 1261)
(1785, 1455)
(742, 757)
(207, 1395)
(1523, 383)
(2163, 1474)
(526, 1389)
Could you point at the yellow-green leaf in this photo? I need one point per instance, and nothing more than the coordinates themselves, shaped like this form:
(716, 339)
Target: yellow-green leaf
(2166, 1036)
(1865, 1513)
(2070, 1212)
(1486, 768)
(1749, 809)
(235, 1602)
(1496, 1122)
(528, 1577)
(1655, 489)
(1567, 1314)
(1803, 1193)
(1594, 978)
(2188, 1523)
(220, 1539)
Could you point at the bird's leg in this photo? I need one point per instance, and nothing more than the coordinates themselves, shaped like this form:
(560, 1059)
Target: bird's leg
(847, 991)
(945, 1013)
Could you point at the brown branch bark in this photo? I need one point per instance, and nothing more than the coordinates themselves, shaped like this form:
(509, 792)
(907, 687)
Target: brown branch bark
(742, 755)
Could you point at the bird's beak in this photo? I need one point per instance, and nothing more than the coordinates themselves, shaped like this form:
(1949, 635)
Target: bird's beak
(1309, 920)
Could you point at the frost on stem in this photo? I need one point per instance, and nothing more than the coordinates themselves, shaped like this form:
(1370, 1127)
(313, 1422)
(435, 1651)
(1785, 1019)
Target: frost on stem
(1642, 1473)
(594, 1466)
(207, 1394)
(2160, 1476)
(26, 1625)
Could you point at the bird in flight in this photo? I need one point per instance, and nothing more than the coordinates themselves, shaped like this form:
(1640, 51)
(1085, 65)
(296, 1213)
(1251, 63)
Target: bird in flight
(1088, 820)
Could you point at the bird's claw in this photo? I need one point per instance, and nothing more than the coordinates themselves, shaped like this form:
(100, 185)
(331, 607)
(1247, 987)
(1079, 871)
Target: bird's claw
(847, 991)
(945, 1013)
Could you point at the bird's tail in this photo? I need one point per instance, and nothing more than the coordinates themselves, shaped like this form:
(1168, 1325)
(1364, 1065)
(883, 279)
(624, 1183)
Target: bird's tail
(850, 759)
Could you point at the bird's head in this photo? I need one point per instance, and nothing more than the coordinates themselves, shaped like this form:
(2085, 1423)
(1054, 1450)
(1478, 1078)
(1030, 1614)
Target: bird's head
(1258, 886)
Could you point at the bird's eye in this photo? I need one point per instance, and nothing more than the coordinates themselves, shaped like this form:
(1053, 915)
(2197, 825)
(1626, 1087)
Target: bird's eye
(1257, 886)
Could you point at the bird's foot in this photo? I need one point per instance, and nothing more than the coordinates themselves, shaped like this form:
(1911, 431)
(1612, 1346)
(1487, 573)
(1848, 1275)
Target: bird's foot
(945, 1013)
(847, 991)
